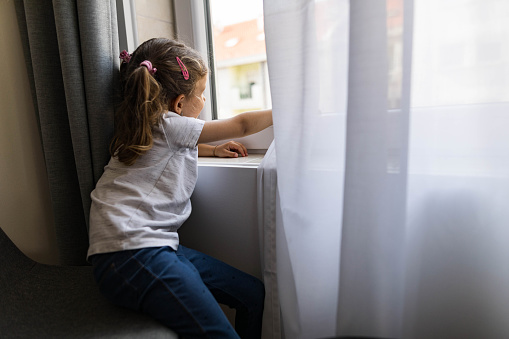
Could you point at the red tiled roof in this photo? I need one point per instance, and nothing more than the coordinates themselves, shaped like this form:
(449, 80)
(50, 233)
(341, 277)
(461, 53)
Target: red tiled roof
(239, 40)
(394, 13)
(247, 38)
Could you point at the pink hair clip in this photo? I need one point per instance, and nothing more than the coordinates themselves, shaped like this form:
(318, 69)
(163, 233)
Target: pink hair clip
(148, 64)
(185, 73)
(125, 56)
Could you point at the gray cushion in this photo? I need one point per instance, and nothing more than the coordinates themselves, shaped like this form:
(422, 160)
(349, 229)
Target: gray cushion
(44, 301)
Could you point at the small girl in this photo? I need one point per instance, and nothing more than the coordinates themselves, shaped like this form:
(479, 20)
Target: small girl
(143, 198)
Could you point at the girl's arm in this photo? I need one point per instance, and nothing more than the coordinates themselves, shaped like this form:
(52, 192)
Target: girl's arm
(239, 126)
(231, 149)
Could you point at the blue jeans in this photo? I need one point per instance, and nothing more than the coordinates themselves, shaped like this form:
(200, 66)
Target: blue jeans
(182, 289)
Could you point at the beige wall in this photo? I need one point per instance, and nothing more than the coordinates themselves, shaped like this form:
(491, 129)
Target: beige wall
(155, 19)
(25, 209)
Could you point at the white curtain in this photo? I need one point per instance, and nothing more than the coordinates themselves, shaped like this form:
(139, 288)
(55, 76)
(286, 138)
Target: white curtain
(388, 196)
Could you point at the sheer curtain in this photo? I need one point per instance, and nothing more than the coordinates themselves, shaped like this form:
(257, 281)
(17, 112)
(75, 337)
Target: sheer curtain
(307, 52)
(392, 167)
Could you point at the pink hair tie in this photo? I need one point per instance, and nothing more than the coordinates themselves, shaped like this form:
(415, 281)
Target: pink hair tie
(125, 56)
(148, 64)
(185, 73)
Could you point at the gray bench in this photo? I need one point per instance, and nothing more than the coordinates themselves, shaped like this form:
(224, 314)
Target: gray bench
(45, 301)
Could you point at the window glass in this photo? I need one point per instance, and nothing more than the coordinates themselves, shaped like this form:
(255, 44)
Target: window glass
(240, 61)
(394, 52)
(463, 57)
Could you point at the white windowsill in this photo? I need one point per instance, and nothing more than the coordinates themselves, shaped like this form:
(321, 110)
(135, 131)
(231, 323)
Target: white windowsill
(251, 161)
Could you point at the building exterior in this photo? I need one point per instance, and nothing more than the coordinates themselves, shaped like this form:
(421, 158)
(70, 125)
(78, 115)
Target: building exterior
(241, 68)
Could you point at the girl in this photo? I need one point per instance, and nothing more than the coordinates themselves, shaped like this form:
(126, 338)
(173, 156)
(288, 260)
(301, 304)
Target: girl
(143, 197)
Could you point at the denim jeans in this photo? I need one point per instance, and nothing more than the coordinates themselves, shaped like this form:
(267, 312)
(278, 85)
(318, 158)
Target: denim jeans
(182, 289)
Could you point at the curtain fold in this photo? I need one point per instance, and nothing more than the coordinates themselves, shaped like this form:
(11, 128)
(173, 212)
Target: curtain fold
(392, 166)
(71, 50)
(373, 226)
(307, 52)
(268, 207)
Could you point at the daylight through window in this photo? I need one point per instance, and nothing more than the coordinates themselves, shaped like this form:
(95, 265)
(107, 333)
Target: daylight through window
(241, 75)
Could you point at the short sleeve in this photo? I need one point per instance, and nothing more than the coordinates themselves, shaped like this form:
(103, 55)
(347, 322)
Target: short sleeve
(181, 131)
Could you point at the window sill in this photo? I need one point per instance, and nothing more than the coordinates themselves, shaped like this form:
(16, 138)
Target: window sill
(251, 161)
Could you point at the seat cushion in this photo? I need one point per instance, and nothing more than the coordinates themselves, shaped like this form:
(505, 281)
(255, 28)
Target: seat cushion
(64, 302)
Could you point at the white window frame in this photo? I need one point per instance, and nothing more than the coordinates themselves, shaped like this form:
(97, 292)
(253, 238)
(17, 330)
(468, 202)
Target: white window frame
(190, 27)
(127, 28)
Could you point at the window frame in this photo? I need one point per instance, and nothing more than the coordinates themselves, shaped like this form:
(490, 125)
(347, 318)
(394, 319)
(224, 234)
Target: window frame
(191, 22)
(127, 26)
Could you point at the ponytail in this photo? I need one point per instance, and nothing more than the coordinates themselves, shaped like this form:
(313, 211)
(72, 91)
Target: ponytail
(138, 112)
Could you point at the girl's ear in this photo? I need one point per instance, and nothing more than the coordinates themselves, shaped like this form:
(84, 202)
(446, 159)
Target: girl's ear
(178, 104)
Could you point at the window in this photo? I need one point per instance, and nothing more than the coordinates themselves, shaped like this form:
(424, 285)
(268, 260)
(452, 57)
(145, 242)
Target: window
(460, 59)
(241, 76)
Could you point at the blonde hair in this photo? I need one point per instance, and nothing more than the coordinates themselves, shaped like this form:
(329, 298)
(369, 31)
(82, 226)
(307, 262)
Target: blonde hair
(145, 96)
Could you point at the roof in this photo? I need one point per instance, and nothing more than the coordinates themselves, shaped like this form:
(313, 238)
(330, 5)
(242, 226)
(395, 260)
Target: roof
(240, 40)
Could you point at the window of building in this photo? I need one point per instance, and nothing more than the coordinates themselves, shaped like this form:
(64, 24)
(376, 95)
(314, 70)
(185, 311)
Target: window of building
(240, 60)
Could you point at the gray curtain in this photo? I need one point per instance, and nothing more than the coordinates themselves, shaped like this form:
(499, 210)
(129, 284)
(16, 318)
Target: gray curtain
(71, 50)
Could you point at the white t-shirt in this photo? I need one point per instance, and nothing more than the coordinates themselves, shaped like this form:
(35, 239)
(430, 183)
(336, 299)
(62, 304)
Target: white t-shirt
(144, 205)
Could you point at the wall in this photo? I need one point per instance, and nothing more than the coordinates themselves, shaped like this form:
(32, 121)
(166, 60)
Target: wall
(25, 209)
(155, 19)
(224, 221)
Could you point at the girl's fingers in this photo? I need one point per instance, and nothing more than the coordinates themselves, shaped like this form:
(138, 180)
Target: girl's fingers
(231, 149)
(240, 148)
(244, 149)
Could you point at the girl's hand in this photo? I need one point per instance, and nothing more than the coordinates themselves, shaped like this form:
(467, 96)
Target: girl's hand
(231, 149)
